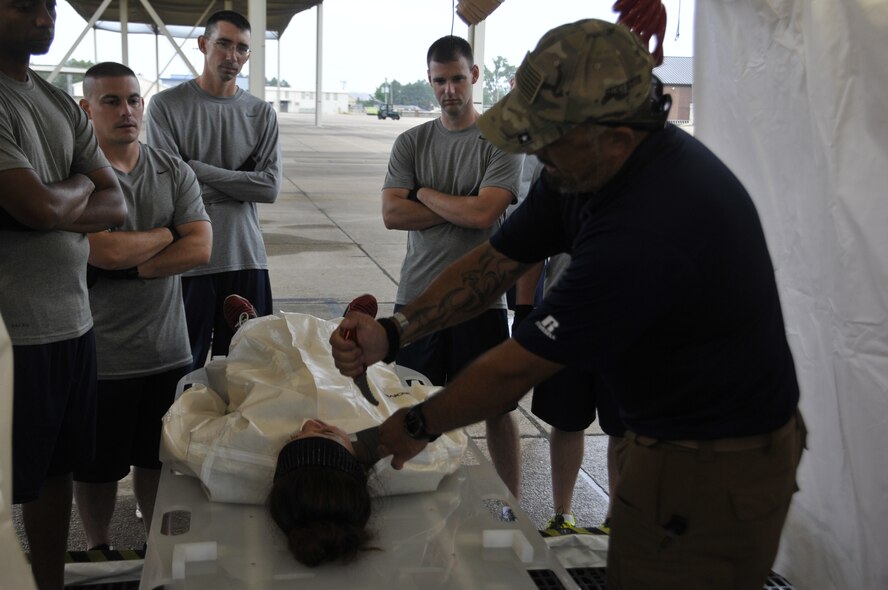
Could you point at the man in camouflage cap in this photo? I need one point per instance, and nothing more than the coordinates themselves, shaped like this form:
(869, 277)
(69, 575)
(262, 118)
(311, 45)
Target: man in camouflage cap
(589, 71)
(670, 298)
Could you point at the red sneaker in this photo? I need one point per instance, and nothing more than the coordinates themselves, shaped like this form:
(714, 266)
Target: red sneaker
(237, 310)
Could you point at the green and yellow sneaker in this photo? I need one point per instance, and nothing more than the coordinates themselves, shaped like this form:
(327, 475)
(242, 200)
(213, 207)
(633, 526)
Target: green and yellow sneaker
(563, 524)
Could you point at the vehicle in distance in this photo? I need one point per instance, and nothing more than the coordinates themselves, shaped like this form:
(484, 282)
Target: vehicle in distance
(387, 111)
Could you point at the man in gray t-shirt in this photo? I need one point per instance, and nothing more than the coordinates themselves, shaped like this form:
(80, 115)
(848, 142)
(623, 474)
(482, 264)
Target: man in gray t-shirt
(448, 187)
(230, 139)
(57, 186)
(136, 297)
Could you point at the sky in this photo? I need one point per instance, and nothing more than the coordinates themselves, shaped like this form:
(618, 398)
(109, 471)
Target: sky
(365, 41)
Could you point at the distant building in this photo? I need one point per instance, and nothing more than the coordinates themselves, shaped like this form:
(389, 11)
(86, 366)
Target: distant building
(285, 99)
(292, 100)
(677, 75)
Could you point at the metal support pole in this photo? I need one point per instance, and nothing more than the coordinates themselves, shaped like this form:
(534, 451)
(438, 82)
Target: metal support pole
(476, 40)
(156, 18)
(178, 48)
(258, 19)
(92, 21)
(124, 31)
(279, 72)
(319, 66)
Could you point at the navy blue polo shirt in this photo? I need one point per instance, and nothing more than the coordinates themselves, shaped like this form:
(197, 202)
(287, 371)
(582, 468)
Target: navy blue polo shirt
(670, 296)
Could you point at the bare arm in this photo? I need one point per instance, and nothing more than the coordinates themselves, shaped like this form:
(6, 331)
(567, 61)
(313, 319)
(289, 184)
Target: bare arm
(192, 249)
(477, 212)
(399, 212)
(106, 206)
(463, 290)
(126, 249)
(488, 387)
(43, 206)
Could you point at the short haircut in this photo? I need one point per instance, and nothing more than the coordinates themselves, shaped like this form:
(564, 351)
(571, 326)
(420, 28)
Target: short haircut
(450, 48)
(106, 69)
(229, 16)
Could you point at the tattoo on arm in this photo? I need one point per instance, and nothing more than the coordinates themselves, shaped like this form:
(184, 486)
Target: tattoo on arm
(476, 289)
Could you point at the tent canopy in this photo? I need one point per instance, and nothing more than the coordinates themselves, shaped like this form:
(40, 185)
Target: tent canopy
(187, 12)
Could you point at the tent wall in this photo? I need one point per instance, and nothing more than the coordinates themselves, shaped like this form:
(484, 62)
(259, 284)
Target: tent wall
(793, 95)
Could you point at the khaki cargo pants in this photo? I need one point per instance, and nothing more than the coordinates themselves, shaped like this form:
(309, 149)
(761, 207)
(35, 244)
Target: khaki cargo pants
(701, 514)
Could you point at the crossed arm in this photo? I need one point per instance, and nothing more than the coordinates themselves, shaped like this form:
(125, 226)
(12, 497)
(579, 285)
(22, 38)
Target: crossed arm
(257, 179)
(430, 207)
(80, 203)
(154, 252)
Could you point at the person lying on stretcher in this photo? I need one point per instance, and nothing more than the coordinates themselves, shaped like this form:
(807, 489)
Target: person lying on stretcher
(260, 430)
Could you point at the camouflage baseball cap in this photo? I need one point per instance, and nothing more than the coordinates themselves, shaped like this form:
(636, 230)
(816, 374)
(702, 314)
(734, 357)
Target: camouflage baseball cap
(587, 70)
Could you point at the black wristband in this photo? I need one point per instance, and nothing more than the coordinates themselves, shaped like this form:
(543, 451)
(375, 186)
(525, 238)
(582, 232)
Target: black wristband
(394, 338)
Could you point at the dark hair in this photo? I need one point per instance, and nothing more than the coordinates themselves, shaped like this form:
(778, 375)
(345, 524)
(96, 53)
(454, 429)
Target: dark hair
(106, 69)
(450, 48)
(229, 16)
(324, 513)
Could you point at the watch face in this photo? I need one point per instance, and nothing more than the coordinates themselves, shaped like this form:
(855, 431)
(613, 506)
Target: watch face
(413, 425)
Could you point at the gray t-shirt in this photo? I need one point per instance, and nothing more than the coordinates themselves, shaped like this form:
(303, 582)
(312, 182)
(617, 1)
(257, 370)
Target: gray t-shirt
(217, 136)
(43, 273)
(453, 162)
(140, 323)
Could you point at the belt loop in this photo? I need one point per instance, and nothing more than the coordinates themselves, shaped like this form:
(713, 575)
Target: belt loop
(706, 450)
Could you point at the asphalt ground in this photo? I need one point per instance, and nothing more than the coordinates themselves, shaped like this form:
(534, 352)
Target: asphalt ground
(326, 245)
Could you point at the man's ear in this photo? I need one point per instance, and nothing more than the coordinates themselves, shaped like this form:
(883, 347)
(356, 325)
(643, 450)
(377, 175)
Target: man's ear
(429, 76)
(84, 104)
(476, 73)
(620, 137)
(202, 44)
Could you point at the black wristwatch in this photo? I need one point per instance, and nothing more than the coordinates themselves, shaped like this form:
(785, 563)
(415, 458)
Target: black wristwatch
(414, 425)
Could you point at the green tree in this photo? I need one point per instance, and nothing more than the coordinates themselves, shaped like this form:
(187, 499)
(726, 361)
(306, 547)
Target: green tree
(417, 93)
(274, 82)
(496, 81)
(67, 81)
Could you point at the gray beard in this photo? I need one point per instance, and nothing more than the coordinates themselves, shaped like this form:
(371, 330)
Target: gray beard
(568, 187)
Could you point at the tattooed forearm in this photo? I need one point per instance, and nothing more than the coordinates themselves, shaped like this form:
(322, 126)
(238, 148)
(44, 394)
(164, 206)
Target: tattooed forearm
(464, 290)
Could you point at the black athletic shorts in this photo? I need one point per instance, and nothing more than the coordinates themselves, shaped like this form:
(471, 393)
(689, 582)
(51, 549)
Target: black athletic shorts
(54, 412)
(568, 399)
(443, 354)
(208, 332)
(128, 424)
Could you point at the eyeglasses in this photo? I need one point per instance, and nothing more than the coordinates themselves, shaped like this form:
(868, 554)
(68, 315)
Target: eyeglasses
(225, 46)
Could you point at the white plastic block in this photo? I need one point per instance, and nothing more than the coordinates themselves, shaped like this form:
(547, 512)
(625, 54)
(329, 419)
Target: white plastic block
(187, 552)
(505, 538)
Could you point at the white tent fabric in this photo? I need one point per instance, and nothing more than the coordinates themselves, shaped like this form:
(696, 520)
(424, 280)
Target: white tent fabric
(793, 95)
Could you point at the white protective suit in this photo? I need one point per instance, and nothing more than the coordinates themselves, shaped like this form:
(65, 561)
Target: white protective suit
(279, 373)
